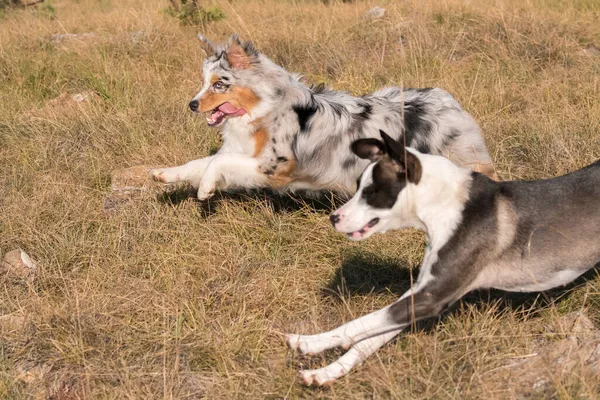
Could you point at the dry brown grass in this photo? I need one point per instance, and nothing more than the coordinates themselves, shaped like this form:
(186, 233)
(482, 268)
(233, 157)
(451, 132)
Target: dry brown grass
(160, 300)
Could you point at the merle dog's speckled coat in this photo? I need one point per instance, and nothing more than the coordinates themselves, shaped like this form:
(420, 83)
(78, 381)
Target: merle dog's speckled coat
(280, 133)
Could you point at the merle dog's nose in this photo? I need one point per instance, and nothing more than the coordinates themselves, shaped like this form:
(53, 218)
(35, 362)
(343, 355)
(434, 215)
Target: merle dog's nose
(334, 218)
(194, 105)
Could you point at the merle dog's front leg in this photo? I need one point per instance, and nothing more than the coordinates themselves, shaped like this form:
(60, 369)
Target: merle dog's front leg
(229, 171)
(191, 172)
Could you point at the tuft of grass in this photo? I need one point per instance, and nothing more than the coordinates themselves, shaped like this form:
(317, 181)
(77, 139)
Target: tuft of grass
(47, 9)
(189, 12)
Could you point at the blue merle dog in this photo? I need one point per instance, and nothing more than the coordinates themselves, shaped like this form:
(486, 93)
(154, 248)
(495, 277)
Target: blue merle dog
(281, 134)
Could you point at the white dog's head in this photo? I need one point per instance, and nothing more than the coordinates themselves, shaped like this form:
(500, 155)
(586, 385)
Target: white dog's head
(383, 200)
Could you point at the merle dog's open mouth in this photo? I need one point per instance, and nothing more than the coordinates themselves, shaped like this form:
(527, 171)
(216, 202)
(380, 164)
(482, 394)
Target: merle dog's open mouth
(218, 114)
(365, 229)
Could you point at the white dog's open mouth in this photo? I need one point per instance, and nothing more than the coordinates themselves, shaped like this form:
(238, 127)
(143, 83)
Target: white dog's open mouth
(218, 114)
(361, 232)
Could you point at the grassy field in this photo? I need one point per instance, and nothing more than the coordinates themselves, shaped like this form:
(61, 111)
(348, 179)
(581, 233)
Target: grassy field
(171, 299)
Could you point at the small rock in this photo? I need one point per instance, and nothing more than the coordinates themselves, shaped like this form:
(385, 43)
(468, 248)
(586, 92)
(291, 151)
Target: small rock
(18, 264)
(578, 324)
(454, 58)
(12, 323)
(65, 103)
(31, 373)
(26, 3)
(130, 180)
(138, 36)
(540, 385)
(65, 98)
(376, 12)
(61, 37)
(591, 50)
(403, 40)
(81, 97)
(129, 184)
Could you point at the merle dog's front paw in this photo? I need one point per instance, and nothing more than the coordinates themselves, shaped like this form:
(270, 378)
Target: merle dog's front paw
(206, 191)
(164, 175)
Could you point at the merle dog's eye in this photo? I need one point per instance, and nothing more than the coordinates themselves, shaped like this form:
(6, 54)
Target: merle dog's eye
(218, 85)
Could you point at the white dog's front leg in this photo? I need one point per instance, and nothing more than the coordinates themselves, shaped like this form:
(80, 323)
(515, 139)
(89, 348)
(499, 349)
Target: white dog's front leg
(345, 335)
(373, 324)
(355, 356)
(228, 171)
(191, 172)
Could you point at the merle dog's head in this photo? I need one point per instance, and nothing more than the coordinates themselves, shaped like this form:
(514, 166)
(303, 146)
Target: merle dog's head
(383, 197)
(238, 82)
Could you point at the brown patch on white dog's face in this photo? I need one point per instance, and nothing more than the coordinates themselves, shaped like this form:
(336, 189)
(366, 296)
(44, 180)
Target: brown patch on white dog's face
(388, 181)
(394, 168)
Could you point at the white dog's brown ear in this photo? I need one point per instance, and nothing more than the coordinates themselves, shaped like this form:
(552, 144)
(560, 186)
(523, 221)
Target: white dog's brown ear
(240, 55)
(404, 159)
(395, 148)
(368, 149)
(207, 45)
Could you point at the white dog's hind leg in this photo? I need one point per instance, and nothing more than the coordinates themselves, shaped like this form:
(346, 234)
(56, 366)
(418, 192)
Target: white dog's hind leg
(191, 172)
(355, 356)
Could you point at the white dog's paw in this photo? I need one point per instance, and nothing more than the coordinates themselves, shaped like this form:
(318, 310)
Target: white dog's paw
(206, 191)
(312, 344)
(322, 376)
(292, 341)
(164, 175)
(302, 344)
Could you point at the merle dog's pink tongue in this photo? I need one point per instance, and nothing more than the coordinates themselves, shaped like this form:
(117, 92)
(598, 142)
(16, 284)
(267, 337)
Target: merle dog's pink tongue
(227, 108)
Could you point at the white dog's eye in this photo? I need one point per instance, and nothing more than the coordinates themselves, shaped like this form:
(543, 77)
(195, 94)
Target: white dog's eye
(369, 190)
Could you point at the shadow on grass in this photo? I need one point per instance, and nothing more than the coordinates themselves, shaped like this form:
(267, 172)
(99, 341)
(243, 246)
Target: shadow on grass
(278, 202)
(364, 273)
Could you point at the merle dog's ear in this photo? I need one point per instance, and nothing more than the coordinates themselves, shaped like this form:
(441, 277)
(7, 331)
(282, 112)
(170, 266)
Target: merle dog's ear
(368, 149)
(406, 161)
(240, 55)
(207, 45)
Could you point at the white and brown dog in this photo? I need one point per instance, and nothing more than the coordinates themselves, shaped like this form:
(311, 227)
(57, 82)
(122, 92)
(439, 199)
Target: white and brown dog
(514, 236)
(279, 133)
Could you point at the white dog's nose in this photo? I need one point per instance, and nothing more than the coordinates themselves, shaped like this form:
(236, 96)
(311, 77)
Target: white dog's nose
(334, 218)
